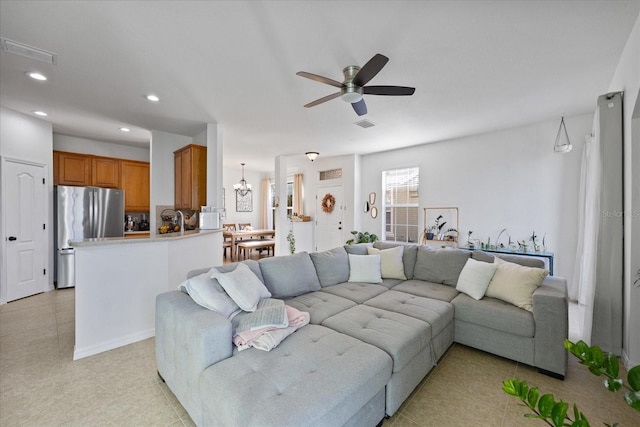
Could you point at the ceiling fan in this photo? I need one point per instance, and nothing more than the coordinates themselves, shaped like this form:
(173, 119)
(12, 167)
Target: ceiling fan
(353, 86)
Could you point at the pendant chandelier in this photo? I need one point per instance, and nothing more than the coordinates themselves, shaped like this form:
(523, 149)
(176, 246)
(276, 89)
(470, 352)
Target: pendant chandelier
(242, 187)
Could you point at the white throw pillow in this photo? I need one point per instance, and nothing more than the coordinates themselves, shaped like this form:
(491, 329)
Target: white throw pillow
(391, 265)
(208, 293)
(475, 277)
(243, 286)
(364, 268)
(515, 283)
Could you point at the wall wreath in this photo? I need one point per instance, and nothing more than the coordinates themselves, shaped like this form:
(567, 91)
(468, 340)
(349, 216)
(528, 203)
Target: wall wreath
(328, 203)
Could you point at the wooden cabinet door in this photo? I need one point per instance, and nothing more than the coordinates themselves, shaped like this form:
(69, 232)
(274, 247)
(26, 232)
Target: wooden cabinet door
(190, 164)
(135, 183)
(74, 169)
(105, 172)
(56, 161)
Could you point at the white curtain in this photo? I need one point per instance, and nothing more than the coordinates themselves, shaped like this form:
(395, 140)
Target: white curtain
(297, 194)
(582, 288)
(266, 221)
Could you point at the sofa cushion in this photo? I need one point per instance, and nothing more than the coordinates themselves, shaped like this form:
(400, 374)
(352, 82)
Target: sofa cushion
(436, 313)
(354, 291)
(440, 266)
(208, 293)
(253, 265)
(320, 305)
(495, 314)
(408, 256)
(332, 266)
(402, 337)
(364, 268)
(391, 266)
(289, 276)
(358, 248)
(390, 283)
(242, 285)
(515, 283)
(316, 376)
(475, 277)
(427, 289)
(527, 261)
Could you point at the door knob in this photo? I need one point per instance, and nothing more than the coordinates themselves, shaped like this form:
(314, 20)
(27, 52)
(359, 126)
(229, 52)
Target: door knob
(12, 238)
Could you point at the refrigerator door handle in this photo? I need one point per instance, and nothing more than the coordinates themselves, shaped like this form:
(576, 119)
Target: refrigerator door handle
(92, 213)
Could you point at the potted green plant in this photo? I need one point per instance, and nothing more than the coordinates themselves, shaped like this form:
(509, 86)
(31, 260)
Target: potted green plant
(556, 413)
(359, 237)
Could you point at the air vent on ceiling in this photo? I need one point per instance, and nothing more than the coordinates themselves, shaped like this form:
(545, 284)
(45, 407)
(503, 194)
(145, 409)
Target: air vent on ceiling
(29, 51)
(364, 123)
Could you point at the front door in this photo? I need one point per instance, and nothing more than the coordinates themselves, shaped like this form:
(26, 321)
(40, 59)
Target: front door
(24, 211)
(329, 208)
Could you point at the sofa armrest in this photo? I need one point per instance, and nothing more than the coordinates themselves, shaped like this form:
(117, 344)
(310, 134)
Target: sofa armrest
(551, 314)
(189, 339)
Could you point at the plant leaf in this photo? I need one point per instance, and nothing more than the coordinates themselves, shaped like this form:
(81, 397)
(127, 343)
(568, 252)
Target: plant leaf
(511, 387)
(545, 405)
(558, 413)
(633, 399)
(597, 356)
(611, 365)
(613, 385)
(532, 397)
(633, 377)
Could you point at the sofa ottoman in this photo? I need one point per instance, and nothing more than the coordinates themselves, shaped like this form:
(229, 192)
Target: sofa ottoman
(316, 377)
(438, 314)
(404, 338)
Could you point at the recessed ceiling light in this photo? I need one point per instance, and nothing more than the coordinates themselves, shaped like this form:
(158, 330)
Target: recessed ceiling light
(40, 113)
(37, 76)
(153, 98)
(125, 129)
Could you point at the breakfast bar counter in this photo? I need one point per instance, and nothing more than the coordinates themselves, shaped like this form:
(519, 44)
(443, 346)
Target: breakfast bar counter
(117, 280)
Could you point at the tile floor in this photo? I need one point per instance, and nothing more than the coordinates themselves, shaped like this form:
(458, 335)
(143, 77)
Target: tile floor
(40, 385)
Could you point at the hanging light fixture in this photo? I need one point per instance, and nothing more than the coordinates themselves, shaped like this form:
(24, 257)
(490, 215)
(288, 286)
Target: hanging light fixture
(242, 187)
(312, 155)
(562, 145)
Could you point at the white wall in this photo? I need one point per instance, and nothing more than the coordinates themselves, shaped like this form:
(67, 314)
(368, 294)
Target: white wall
(231, 175)
(74, 144)
(627, 79)
(506, 179)
(27, 138)
(162, 146)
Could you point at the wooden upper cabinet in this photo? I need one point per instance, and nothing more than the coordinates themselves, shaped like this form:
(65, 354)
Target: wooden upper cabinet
(73, 169)
(190, 177)
(135, 183)
(105, 172)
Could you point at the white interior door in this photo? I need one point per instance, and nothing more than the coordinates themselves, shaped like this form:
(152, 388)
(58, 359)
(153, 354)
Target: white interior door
(24, 211)
(329, 229)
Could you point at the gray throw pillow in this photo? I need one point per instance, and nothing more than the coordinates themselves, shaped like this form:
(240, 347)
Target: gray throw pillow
(440, 266)
(289, 276)
(358, 248)
(332, 266)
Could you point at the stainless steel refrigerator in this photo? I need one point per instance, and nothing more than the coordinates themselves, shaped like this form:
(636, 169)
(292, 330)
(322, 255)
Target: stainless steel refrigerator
(83, 213)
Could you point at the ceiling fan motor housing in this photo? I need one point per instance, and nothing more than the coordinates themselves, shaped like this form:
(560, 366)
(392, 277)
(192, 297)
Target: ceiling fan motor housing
(350, 92)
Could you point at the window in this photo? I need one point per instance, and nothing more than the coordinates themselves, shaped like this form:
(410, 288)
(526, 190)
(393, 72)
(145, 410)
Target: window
(401, 204)
(272, 190)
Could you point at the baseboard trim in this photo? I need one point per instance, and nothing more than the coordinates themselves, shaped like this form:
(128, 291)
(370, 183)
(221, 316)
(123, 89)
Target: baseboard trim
(551, 374)
(80, 353)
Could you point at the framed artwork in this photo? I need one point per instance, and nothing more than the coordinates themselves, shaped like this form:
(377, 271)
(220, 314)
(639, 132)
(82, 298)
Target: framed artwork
(244, 203)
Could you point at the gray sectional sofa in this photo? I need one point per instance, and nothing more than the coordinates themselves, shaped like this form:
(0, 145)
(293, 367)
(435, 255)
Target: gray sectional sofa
(366, 348)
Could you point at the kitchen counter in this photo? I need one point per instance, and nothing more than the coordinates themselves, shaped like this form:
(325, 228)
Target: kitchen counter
(118, 279)
(150, 238)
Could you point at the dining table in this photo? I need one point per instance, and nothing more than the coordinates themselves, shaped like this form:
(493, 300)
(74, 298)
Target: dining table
(242, 234)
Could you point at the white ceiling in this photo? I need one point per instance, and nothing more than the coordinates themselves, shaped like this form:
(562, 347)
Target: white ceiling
(477, 66)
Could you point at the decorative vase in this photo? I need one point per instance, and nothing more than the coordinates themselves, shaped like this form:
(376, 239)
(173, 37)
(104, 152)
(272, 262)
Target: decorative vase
(430, 236)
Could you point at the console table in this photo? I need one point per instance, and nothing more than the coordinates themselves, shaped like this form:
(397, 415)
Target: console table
(547, 255)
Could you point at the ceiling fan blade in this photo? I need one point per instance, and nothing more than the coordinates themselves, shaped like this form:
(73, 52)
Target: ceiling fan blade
(388, 90)
(318, 78)
(370, 69)
(360, 107)
(321, 100)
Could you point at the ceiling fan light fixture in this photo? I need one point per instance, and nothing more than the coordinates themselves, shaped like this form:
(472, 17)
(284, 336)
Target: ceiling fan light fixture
(312, 155)
(351, 97)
